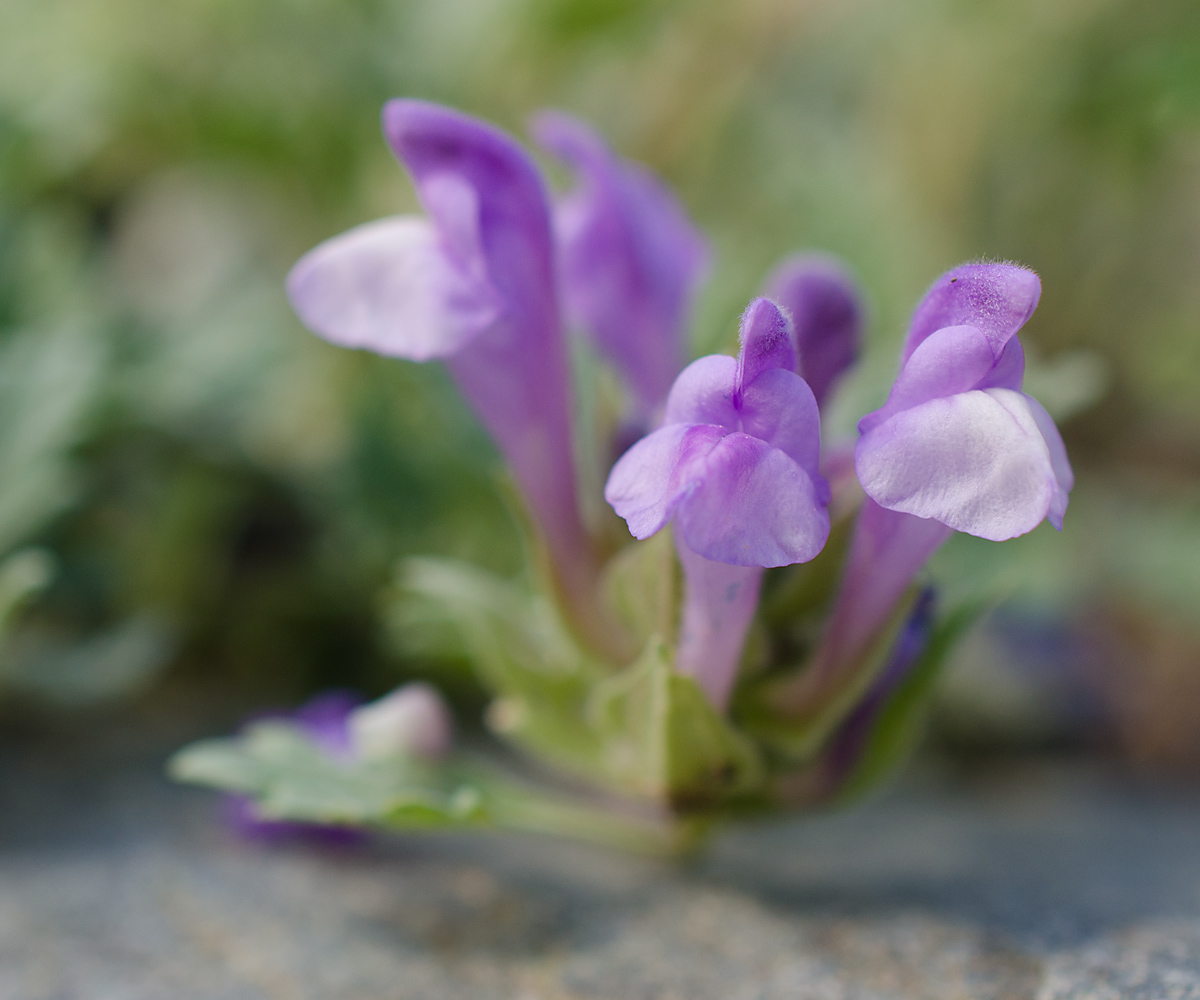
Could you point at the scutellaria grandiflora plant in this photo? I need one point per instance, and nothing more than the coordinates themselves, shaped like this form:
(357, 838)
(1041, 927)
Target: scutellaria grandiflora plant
(753, 637)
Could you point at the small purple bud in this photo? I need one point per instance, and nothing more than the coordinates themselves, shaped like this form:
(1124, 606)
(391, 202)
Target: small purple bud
(827, 314)
(412, 721)
(323, 719)
(631, 259)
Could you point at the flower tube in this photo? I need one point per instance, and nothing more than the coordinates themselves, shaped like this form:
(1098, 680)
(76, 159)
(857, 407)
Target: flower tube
(735, 466)
(957, 447)
(630, 260)
(472, 283)
(844, 752)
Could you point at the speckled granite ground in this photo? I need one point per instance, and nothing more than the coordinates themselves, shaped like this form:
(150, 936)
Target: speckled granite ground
(1045, 880)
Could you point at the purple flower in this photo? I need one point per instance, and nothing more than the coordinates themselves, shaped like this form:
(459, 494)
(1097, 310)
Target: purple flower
(630, 260)
(957, 446)
(735, 461)
(735, 466)
(472, 283)
(827, 315)
(957, 440)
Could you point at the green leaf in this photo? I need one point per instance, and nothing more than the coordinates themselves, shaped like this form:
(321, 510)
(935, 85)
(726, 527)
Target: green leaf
(663, 739)
(291, 778)
(519, 647)
(642, 585)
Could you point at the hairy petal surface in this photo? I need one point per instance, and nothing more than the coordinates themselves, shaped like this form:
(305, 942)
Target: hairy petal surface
(827, 316)
(996, 299)
(976, 461)
(753, 506)
(389, 287)
(630, 258)
(767, 342)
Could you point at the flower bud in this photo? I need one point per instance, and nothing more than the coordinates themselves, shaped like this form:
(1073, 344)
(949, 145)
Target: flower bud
(412, 721)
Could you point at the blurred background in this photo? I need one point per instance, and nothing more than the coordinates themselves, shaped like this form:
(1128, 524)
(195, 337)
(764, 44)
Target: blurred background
(198, 496)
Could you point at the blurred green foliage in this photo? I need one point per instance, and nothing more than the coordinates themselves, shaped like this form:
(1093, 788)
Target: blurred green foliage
(199, 473)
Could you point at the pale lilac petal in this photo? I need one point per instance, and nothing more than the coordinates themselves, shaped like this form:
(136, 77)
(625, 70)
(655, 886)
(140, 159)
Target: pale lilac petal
(951, 360)
(656, 474)
(1009, 370)
(411, 721)
(717, 612)
(976, 462)
(781, 409)
(827, 316)
(753, 506)
(766, 342)
(703, 393)
(387, 286)
(996, 299)
(630, 258)
(1064, 477)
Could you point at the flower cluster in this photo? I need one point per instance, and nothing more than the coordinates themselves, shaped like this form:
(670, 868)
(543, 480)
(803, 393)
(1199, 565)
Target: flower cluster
(493, 277)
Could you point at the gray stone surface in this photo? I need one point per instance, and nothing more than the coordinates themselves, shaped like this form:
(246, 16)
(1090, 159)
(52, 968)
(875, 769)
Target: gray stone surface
(1042, 880)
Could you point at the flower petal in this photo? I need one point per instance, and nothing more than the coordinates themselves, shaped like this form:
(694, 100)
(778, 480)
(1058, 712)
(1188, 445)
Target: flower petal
(487, 198)
(996, 299)
(387, 286)
(703, 393)
(780, 408)
(754, 507)
(630, 258)
(827, 316)
(976, 461)
(1063, 475)
(651, 478)
(767, 342)
(951, 360)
